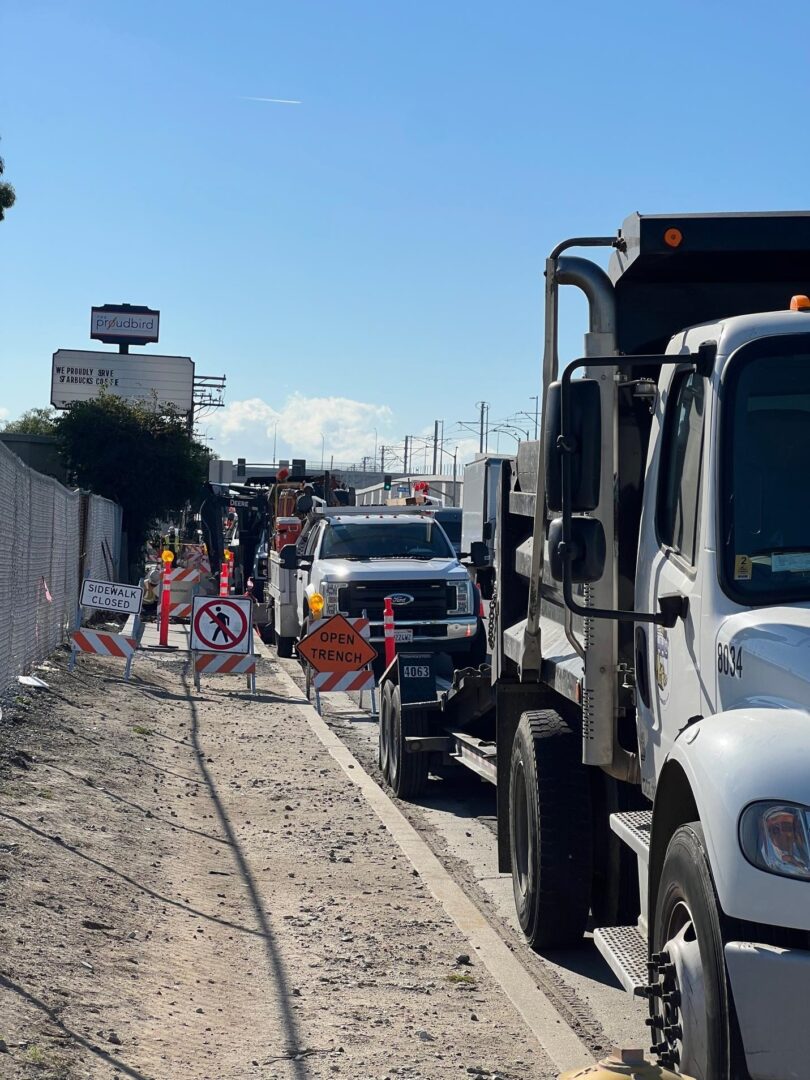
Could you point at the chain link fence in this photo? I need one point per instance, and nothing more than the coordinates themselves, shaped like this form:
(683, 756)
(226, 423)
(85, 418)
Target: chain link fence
(49, 537)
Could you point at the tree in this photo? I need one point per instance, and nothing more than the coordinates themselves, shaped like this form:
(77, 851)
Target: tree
(33, 422)
(143, 458)
(7, 193)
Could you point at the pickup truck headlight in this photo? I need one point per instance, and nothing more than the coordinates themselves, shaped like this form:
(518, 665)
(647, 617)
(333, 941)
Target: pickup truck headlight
(775, 836)
(463, 598)
(331, 596)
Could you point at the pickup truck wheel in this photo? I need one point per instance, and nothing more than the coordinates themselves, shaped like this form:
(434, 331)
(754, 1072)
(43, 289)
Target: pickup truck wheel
(692, 1014)
(407, 773)
(550, 831)
(384, 728)
(284, 646)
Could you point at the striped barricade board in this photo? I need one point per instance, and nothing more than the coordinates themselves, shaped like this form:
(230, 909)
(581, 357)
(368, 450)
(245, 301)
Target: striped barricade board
(102, 643)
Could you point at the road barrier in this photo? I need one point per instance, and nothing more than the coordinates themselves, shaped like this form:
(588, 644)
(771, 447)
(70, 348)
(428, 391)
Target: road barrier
(112, 598)
(338, 656)
(221, 639)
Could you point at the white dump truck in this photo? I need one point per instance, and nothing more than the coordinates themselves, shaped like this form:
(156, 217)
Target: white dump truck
(647, 715)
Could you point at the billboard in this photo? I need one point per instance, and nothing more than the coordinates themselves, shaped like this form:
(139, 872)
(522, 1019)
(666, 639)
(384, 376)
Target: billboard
(124, 324)
(80, 375)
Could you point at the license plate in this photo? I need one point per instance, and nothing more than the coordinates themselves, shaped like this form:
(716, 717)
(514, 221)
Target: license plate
(403, 635)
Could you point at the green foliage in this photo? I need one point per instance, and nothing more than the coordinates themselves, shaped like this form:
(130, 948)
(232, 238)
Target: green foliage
(33, 422)
(7, 193)
(142, 458)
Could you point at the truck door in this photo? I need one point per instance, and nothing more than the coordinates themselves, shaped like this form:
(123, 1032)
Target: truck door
(668, 659)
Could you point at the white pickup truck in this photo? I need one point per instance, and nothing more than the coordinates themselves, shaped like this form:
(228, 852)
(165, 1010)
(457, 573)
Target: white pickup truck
(356, 556)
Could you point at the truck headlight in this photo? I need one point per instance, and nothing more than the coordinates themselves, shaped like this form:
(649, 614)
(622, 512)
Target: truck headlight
(775, 836)
(461, 603)
(331, 596)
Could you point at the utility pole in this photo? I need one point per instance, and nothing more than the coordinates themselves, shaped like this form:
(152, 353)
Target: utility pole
(484, 408)
(435, 444)
(536, 399)
(382, 459)
(405, 461)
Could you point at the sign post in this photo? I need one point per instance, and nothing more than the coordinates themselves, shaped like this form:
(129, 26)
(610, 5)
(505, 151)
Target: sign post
(339, 652)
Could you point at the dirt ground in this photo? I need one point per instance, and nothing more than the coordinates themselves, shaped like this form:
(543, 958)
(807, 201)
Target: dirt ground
(191, 889)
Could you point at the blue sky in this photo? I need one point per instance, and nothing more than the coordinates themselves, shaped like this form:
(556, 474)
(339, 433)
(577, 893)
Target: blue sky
(371, 258)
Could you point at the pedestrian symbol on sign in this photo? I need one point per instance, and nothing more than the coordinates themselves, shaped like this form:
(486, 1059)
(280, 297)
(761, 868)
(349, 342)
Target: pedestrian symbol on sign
(220, 619)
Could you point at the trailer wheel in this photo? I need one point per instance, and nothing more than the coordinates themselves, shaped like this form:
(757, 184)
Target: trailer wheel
(407, 773)
(692, 1019)
(284, 646)
(550, 831)
(384, 729)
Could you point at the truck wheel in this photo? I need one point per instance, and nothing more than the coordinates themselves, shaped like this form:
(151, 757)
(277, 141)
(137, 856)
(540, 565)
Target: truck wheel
(550, 831)
(407, 773)
(384, 728)
(284, 646)
(692, 1019)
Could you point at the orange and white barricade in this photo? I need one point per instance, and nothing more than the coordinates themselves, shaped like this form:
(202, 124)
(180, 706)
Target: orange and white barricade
(221, 639)
(113, 598)
(181, 582)
(195, 557)
(338, 656)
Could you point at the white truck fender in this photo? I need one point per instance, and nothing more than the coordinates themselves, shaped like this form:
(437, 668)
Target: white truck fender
(730, 760)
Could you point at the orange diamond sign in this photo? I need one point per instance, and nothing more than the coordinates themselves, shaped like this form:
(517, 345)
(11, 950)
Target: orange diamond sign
(336, 646)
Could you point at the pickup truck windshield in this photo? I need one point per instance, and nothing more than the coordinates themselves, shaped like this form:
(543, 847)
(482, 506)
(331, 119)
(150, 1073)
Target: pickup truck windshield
(766, 489)
(385, 540)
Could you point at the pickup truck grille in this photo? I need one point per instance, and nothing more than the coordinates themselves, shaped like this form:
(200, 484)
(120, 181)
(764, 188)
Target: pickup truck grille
(430, 599)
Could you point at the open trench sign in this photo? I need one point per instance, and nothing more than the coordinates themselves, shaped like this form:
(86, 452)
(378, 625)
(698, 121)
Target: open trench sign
(336, 646)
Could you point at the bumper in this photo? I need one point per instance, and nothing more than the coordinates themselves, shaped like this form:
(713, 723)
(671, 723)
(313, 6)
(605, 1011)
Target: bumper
(444, 635)
(770, 987)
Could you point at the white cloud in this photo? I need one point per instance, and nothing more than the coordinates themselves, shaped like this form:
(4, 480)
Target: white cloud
(247, 428)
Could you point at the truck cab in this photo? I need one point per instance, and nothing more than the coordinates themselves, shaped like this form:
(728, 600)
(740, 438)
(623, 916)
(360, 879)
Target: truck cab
(355, 557)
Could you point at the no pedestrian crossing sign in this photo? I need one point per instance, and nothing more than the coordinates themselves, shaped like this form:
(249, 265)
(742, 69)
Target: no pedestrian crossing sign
(336, 646)
(111, 596)
(221, 625)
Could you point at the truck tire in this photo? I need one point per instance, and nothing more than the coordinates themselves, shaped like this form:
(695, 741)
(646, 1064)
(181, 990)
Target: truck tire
(687, 947)
(407, 773)
(550, 831)
(384, 729)
(284, 646)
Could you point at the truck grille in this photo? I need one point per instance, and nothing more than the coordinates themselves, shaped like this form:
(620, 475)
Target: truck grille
(430, 599)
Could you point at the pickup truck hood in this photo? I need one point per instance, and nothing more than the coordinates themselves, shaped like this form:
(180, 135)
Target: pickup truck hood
(386, 569)
(771, 653)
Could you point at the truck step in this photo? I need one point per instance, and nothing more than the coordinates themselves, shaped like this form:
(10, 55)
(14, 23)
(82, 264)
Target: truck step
(625, 950)
(634, 828)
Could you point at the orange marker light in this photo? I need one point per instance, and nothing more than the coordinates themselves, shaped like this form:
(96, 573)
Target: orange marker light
(800, 303)
(673, 238)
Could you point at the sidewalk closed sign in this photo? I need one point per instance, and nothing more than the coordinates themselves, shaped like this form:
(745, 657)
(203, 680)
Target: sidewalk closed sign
(111, 596)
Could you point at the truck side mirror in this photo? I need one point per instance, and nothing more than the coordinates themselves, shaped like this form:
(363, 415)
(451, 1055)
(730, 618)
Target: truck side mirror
(583, 436)
(479, 553)
(587, 547)
(288, 557)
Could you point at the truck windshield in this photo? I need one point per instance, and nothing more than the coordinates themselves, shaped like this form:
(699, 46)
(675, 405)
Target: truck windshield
(386, 540)
(766, 496)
